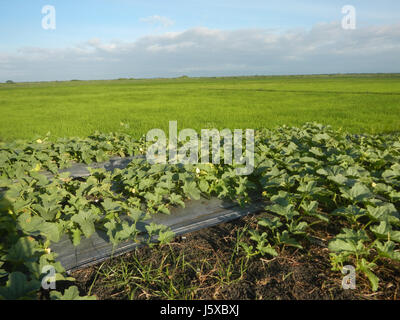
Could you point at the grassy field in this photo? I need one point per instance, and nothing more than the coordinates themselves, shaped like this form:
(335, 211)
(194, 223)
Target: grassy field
(356, 103)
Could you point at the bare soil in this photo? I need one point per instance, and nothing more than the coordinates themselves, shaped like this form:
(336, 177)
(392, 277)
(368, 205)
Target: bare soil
(214, 269)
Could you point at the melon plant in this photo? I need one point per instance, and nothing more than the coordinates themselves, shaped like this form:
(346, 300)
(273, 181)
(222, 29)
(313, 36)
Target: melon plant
(308, 175)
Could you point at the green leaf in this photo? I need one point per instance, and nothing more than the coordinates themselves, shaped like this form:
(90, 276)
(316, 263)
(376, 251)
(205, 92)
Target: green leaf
(382, 230)
(311, 209)
(387, 250)
(51, 231)
(351, 212)
(309, 188)
(23, 250)
(386, 212)
(271, 223)
(285, 238)
(45, 213)
(29, 224)
(248, 249)
(204, 186)
(120, 232)
(145, 184)
(76, 237)
(342, 245)
(18, 287)
(354, 235)
(136, 214)
(36, 268)
(339, 179)
(286, 211)
(367, 267)
(309, 160)
(86, 220)
(266, 249)
(358, 193)
(166, 236)
(72, 293)
(154, 198)
(176, 199)
(154, 228)
(298, 228)
(35, 225)
(110, 206)
(167, 183)
(190, 189)
(256, 236)
(349, 241)
(385, 231)
(163, 209)
(392, 174)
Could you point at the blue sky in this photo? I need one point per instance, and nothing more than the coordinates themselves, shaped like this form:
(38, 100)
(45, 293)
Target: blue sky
(129, 21)
(80, 20)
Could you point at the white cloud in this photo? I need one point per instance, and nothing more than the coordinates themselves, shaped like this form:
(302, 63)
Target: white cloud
(158, 20)
(326, 48)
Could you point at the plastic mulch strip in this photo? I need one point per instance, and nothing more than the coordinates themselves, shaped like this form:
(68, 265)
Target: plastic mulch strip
(195, 216)
(80, 170)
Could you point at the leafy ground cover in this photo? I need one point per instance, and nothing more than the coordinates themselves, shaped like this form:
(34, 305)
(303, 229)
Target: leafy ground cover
(320, 182)
(356, 103)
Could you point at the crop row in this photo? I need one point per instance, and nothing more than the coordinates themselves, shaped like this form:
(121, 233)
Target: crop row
(311, 175)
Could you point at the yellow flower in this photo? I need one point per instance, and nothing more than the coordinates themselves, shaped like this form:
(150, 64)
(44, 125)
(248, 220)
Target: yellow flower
(39, 141)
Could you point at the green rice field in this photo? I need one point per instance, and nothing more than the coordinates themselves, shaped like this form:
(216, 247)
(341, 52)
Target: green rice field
(356, 103)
